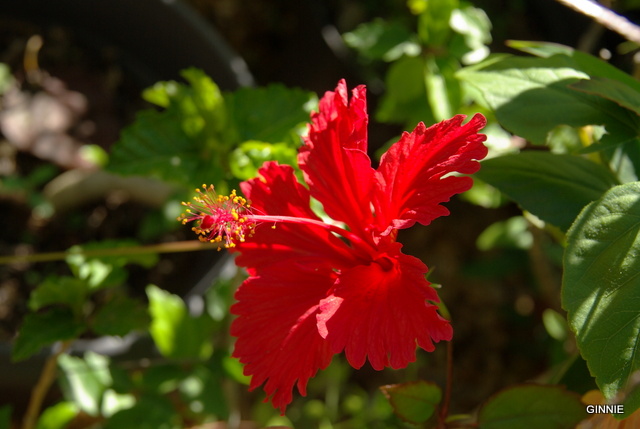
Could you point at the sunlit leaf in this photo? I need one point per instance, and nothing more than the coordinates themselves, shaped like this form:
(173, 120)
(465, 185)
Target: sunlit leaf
(382, 40)
(85, 380)
(57, 416)
(532, 96)
(106, 271)
(176, 333)
(250, 155)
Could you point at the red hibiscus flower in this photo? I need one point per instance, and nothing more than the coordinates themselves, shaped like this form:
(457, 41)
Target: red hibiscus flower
(318, 288)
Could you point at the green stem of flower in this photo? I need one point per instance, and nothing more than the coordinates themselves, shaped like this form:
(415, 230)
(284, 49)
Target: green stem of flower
(175, 247)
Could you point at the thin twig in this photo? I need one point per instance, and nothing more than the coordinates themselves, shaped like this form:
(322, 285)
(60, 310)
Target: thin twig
(174, 247)
(47, 376)
(606, 17)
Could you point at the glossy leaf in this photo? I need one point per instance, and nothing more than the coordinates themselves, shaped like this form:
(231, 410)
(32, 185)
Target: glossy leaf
(532, 96)
(176, 333)
(43, 329)
(532, 407)
(601, 286)
(611, 89)
(413, 402)
(593, 66)
(553, 187)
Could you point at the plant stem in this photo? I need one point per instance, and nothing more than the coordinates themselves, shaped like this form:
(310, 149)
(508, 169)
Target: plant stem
(47, 376)
(444, 410)
(605, 17)
(175, 247)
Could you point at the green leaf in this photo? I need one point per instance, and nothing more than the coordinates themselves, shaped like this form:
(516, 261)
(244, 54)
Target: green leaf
(475, 27)
(532, 96)
(512, 233)
(611, 89)
(43, 329)
(187, 143)
(274, 114)
(442, 88)
(106, 271)
(59, 290)
(190, 142)
(175, 332)
(112, 402)
(405, 101)
(156, 145)
(553, 187)
(532, 407)
(540, 49)
(250, 155)
(6, 78)
(200, 103)
(85, 380)
(413, 402)
(57, 416)
(382, 40)
(120, 316)
(593, 66)
(235, 370)
(601, 285)
(433, 23)
(150, 412)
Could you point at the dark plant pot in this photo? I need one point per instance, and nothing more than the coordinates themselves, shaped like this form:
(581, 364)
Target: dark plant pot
(158, 37)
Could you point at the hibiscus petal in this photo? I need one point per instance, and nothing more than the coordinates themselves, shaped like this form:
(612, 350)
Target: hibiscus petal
(334, 159)
(277, 192)
(410, 185)
(381, 311)
(278, 340)
(292, 268)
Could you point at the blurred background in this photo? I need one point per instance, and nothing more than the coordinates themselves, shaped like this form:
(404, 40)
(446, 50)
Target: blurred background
(71, 80)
